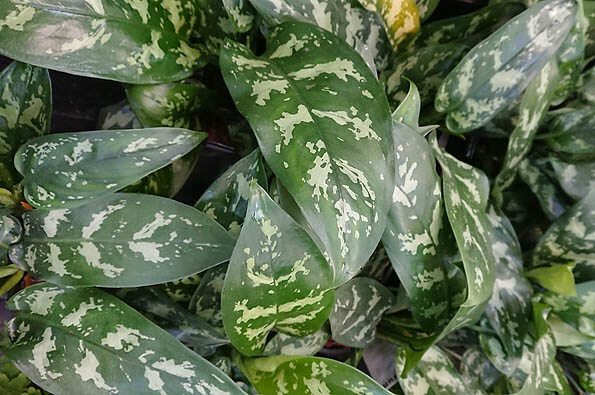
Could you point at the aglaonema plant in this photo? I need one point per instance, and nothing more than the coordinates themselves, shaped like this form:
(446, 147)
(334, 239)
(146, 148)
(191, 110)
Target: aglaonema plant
(413, 211)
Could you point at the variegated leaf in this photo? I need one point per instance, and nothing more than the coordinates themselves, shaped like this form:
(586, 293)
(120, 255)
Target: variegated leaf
(401, 17)
(292, 345)
(123, 240)
(11, 230)
(125, 40)
(534, 105)
(587, 82)
(117, 116)
(323, 126)
(25, 113)
(425, 8)
(426, 67)
(575, 178)
(181, 291)
(465, 198)
(498, 69)
(358, 27)
(469, 28)
(587, 377)
(241, 14)
(509, 307)
(476, 367)
(70, 169)
(577, 310)
(589, 11)
(359, 305)
(572, 134)
(287, 374)
(206, 301)
(532, 171)
(277, 278)
(226, 199)
(179, 322)
(67, 338)
(412, 235)
(434, 374)
(214, 24)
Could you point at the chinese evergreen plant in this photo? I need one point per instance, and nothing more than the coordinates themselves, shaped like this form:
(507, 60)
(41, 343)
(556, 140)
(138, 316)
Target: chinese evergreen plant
(415, 199)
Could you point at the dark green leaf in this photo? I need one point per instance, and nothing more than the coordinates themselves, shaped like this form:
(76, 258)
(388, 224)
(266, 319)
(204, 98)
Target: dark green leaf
(292, 345)
(574, 138)
(277, 278)
(241, 14)
(206, 301)
(576, 178)
(25, 113)
(85, 339)
(123, 240)
(70, 169)
(181, 291)
(533, 172)
(331, 150)
(498, 69)
(426, 8)
(475, 366)
(123, 40)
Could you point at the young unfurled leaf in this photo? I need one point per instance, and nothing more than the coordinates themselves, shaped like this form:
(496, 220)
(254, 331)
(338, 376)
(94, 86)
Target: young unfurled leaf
(498, 69)
(359, 305)
(358, 27)
(25, 113)
(556, 278)
(64, 338)
(575, 178)
(509, 307)
(292, 345)
(286, 374)
(534, 105)
(401, 17)
(277, 278)
(226, 199)
(324, 128)
(434, 374)
(123, 240)
(411, 238)
(70, 169)
(122, 40)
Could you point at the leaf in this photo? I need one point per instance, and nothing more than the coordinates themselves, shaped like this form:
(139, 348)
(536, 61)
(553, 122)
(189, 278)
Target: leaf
(575, 178)
(285, 374)
(241, 14)
(25, 113)
(277, 278)
(536, 100)
(412, 236)
(124, 40)
(426, 67)
(465, 205)
(117, 116)
(123, 240)
(473, 93)
(11, 230)
(426, 8)
(576, 140)
(227, 198)
(206, 301)
(576, 310)
(214, 25)
(69, 169)
(532, 172)
(179, 322)
(476, 367)
(434, 374)
(468, 28)
(589, 12)
(292, 345)
(358, 27)
(359, 305)
(401, 17)
(181, 291)
(509, 308)
(65, 338)
(556, 278)
(342, 179)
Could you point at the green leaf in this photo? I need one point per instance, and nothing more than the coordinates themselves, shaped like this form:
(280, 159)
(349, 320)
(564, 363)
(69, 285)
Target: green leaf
(426, 8)
(575, 139)
(587, 377)
(206, 301)
(285, 374)
(536, 100)
(466, 205)
(25, 113)
(65, 338)
(476, 367)
(123, 240)
(214, 25)
(498, 69)
(575, 178)
(226, 199)
(10, 230)
(576, 310)
(359, 305)
(509, 308)
(184, 326)
(358, 27)
(70, 169)
(412, 236)
(123, 40)
(400, 17)
(533, 172)
(241, 14)
(292, 345)
(277, 278)
(332, 151)
(589, 11)
(434, 374)
(117, 116)
(181, 291)
(556, 278)
(426, 67)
